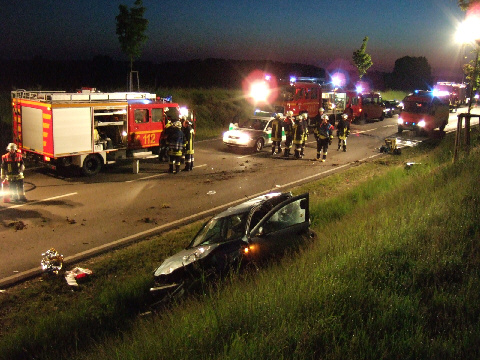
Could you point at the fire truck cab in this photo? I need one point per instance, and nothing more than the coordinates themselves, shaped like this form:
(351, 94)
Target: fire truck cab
(364, 107)
(299, 97)
(89, 129)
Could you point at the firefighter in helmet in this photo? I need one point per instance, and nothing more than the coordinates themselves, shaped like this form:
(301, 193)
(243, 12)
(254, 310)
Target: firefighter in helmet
(175, 142)
(12, 171)
(288, 126)
(298, 136)
(343, 130)
(277, 128)
(188, 150)
(324, 137)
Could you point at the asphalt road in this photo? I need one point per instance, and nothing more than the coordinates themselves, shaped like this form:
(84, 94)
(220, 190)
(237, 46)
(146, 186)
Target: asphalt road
(81, 216)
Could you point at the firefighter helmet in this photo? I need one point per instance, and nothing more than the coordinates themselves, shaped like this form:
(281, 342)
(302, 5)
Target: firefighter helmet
(278, 115)
(177, 124)
(324, 116)
(290, 113)
(345, 116)
(12, 146)
(321, 109)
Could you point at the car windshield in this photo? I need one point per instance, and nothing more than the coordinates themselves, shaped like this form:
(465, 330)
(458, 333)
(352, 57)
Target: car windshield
(252, 123)
(416, 107)
(220, 230)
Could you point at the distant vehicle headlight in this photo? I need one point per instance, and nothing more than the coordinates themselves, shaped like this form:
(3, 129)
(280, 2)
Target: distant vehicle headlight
(400, 121)
(421, 123)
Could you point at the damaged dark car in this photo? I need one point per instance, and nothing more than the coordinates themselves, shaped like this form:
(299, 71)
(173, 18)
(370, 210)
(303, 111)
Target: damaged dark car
(248, 233)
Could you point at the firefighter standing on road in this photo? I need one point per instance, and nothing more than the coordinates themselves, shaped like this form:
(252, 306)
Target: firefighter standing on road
(298, 136)
(288, 126)
(324, 137)
(12, 171)
(277, 127)
(188, 134)
(175, 142)
(343, 130)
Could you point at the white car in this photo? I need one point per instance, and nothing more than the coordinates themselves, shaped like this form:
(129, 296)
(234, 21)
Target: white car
(253, 132)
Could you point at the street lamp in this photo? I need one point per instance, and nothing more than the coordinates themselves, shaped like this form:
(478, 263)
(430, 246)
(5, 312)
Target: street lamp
(468, 32)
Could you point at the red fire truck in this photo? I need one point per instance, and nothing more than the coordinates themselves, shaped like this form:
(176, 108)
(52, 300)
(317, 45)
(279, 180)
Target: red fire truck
(89, 129)
(364, 106)
(453, 94)
(299, 97)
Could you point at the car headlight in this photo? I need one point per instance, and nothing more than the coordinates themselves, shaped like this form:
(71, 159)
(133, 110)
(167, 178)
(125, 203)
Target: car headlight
(400, 121)
(244, 138)
(421, 123)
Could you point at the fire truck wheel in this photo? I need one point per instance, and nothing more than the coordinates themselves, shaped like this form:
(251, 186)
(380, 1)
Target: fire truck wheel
(258, 145)
(92, 165)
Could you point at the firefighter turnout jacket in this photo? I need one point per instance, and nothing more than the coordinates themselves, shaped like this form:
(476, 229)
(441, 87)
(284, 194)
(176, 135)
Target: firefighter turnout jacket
(12, 166)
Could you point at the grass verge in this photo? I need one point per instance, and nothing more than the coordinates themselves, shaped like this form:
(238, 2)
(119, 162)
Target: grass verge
(394, 274)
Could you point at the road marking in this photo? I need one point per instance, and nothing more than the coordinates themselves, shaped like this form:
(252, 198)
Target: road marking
(38, 201)
(157, 175)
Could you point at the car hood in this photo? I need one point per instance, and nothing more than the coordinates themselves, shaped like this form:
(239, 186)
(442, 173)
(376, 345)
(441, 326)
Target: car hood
(184, 258)
(412, 117)
(240, 132)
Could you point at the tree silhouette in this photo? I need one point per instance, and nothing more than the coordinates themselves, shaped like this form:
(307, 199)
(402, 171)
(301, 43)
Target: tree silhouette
(131, 27)
(361, 59)
(411, 73)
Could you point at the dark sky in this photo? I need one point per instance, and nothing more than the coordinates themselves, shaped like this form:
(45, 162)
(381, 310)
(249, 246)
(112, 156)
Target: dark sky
(311, 32)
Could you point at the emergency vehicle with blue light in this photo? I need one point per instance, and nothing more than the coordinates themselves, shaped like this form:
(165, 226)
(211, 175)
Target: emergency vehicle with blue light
(423, 112)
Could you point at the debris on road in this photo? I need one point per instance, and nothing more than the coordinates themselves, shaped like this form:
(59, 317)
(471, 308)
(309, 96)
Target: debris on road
(17, 225)
(52, 261)
(77, 274)
(408, 165)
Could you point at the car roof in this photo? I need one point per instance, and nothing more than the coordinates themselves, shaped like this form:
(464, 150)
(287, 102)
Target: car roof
(247, 205)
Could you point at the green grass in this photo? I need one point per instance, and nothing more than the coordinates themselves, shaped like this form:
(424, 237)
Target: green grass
(394, 274)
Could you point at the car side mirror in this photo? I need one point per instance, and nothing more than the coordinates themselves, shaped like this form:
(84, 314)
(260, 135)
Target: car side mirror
(260, 232)
(303, 204)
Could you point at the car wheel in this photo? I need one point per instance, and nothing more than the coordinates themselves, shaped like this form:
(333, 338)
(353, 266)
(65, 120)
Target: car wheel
(258, 145)
(92, 165)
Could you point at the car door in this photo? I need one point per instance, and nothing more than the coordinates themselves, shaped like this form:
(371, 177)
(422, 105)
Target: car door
(283, 227)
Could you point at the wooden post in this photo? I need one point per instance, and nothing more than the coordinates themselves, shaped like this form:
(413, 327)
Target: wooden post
(457, 137)
(467, 133)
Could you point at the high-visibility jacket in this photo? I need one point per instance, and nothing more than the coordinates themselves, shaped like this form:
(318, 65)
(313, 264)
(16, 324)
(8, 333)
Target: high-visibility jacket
(324, 130)
(188, 134)
(12, 166)
(175, 141)
(298, 135)
(343, 129)
(277, 128)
